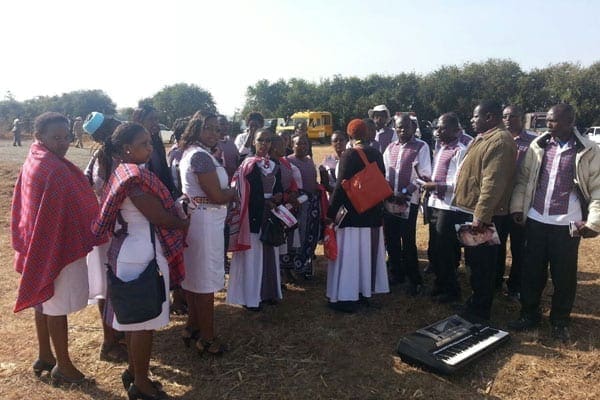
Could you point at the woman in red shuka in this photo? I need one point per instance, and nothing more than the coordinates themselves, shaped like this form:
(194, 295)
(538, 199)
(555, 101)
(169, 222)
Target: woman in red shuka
(52, 211)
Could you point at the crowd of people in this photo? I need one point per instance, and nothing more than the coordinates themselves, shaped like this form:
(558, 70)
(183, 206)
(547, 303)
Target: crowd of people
(136, 206)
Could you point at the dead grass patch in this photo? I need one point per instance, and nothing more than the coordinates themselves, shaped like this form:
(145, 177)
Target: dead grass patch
(301, 350)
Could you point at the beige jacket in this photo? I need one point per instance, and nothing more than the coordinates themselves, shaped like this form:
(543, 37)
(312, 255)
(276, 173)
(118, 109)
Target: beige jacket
(486, 176)
(587, 173)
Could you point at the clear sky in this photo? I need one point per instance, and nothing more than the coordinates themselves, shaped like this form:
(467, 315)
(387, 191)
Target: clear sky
(133, 48)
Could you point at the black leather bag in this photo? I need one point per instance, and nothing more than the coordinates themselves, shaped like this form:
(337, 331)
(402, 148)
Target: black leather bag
(272, 232)
(141, 299)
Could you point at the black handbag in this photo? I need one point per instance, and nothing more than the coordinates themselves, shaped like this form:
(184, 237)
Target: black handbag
(272, 232)
(141, 299)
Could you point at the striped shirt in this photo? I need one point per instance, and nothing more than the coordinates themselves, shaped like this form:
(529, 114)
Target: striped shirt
(555, 201)
(523, 140)
(446, 162)
(400, 160)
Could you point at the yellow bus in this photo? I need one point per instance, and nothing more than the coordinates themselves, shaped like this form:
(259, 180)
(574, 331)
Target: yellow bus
(319, 124)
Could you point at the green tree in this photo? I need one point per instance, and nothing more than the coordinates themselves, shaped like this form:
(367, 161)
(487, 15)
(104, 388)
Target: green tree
(181, 100)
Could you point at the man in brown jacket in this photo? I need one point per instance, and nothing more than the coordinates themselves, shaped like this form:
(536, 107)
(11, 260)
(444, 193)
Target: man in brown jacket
(483, 188)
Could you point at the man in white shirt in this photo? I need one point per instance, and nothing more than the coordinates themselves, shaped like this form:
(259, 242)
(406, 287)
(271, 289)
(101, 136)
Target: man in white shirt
(384, 135)
(557, 197)
(402, 159)
(244, 141)
(443, 245)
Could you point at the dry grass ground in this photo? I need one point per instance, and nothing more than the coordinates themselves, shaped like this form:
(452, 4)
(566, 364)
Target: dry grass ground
(301, 349)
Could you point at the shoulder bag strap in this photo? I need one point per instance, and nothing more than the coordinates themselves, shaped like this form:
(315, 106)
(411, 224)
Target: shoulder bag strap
(152, 239)
(362, 155)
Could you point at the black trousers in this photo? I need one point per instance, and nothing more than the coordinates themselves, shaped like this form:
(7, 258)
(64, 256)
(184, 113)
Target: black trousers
(444, 250)
(401, 245)
(508, 228)
(549, 245)
(483, 262)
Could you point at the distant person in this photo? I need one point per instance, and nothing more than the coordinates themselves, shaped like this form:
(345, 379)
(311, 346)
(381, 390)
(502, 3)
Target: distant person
(52, 211)
(148, 117)
(16, 131)
(329, 168)
(372, 129)
(558, 185)
(175, 152)
(230, 156)
(384, 134)
(310, 213)
(287, 142)
(245, 140)
(78, 132)
(482, 191)
(301, 129)
(512, 116)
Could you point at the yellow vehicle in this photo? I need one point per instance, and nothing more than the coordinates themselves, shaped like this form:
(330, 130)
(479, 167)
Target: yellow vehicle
(319, 124)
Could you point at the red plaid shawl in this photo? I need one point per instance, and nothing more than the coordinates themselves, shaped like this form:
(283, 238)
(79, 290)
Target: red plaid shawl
(124, 177)
(52, 209)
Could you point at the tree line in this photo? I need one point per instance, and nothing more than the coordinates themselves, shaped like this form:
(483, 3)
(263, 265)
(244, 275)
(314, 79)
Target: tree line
(449, 88)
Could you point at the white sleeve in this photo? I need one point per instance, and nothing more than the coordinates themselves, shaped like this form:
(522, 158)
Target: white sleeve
(297, 175)
(424, 161)
(240, 141)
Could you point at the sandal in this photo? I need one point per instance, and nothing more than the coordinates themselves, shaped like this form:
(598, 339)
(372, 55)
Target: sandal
(40, 366)
(212, 347)
(57, 378)
(127, 378)
(114, 352)
(179, 309)
(190, 336)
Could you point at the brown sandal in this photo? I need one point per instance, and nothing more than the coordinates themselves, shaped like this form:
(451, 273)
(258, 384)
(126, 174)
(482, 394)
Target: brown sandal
(212, 347)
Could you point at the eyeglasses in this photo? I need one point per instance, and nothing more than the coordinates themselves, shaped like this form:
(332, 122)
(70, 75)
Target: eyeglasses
(265, 140)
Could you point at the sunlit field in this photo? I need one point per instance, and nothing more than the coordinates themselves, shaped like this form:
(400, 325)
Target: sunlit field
(300, 349)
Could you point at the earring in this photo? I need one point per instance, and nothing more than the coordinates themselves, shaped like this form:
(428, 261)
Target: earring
(127, 152)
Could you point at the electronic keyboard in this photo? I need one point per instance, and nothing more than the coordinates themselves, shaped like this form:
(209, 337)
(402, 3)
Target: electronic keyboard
(450, 344)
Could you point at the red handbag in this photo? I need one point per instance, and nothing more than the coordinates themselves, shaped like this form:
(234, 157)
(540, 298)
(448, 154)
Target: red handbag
(368, 187)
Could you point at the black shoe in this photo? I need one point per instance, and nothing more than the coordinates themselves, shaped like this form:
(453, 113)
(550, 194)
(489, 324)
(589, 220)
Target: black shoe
(523, 324)
(561, 333)
(133, 393)
(447, 298)
(435, 292)
(414, 290)
(255, 309)
(513, 295)
(57, 378)
(128, 379)
(348, 307)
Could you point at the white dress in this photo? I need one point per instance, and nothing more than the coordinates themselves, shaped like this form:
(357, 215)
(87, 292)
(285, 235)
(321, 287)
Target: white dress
(359, 268)
(70, 290)
(97, 259)
(204, 256)
(246, 270)
(133, 258)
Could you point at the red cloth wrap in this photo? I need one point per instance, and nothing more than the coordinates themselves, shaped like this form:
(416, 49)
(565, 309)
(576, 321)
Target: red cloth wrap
(115, 191)
(52, 209)
(238, 220)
